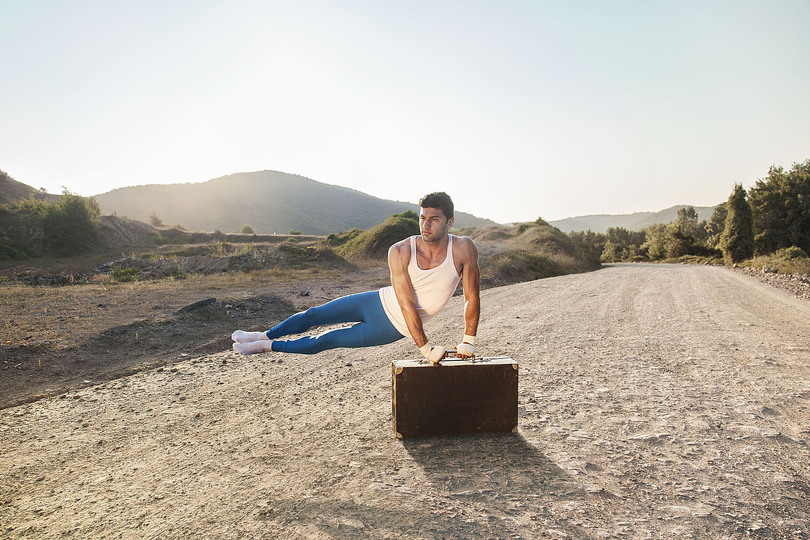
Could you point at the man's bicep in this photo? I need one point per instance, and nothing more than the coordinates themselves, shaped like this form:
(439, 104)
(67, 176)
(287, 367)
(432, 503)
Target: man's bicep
(471, 273)
(400, 279)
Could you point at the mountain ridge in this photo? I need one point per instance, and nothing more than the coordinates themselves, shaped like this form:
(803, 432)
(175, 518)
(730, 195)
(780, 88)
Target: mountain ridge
(11, 190)
(234, 201)
(637, 221)
(268, 201)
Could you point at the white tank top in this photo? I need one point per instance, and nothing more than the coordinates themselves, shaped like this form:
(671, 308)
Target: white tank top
(432, 289)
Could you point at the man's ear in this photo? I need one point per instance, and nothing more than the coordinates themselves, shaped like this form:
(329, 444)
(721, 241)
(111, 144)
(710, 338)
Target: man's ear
(450, 222)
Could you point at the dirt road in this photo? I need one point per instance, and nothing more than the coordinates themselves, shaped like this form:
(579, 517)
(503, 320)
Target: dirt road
(655, 402)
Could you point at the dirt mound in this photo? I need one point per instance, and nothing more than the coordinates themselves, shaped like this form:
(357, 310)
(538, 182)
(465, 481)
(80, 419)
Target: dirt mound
(119, 233)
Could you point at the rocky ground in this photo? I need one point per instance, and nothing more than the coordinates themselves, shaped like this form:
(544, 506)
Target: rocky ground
(656, 401)
(795, 284)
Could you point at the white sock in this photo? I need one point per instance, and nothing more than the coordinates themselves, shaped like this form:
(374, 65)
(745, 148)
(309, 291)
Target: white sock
(244, 337)
(252, 347)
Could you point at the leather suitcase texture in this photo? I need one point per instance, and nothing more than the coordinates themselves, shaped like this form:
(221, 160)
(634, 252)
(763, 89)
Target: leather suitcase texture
(455, 397)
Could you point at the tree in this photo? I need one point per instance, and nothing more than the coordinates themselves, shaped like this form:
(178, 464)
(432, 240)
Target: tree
(737, 240)
(716, 224)
(781, 206)
(588, 245)
(70, 225)
(622, 244)
(689, 226)
(655, 244)
(247, 229)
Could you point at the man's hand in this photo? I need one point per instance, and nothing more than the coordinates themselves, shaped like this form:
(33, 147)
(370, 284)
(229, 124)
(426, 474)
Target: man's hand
(465, 350)
(433, 354)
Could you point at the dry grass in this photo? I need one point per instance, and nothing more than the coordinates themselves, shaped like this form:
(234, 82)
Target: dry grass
(67, 316)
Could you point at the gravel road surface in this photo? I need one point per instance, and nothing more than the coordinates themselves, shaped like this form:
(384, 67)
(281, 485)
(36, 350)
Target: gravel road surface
(656, 401)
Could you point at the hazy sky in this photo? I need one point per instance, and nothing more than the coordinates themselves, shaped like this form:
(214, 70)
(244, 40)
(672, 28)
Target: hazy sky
(518, 109)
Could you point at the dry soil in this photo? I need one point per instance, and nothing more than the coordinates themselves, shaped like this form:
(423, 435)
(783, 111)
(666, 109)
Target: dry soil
(656, 401)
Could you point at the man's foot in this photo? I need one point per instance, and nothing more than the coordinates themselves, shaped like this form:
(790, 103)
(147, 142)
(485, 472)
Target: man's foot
(245, 337)
(253, 347)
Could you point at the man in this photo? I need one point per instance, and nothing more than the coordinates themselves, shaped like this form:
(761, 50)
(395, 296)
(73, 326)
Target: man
(425, 271)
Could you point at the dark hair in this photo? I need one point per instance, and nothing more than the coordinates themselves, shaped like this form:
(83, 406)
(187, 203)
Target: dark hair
(440, 200)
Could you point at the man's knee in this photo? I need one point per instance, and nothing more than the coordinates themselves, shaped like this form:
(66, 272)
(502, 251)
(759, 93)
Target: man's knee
(309, 315)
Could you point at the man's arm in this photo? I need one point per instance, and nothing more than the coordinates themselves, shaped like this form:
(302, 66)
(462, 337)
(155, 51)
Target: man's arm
(471, 281)
(399, 255)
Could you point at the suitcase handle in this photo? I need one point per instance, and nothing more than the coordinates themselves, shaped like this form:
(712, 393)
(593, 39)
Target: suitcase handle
(450, 353)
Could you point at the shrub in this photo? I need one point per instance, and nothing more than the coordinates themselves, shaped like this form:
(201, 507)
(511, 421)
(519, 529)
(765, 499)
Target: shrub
(518, 266)
(247, 229)
(785, 261)
(792, 253)
(10, 253)
(123, 275)
(64, 227)
(374, 243)
(155, 220)
(305, 257)
(335, 240)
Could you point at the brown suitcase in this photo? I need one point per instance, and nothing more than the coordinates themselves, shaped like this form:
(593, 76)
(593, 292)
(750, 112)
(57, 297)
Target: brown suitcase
(455, 397)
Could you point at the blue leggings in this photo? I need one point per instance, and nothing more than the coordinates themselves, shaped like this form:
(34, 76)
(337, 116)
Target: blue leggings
(365, 309)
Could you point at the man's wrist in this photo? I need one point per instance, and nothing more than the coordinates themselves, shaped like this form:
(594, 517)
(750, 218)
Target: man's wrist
(468, 339)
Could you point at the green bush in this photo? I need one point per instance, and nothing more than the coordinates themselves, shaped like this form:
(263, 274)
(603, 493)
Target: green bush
(335, 240)
(10, 253)
(124, 275)
(785, 261)
(375, 242)
(71, 225)
(37, 228)
(792, 253)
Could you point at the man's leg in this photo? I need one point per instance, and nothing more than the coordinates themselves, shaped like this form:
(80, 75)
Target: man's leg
(373, 327)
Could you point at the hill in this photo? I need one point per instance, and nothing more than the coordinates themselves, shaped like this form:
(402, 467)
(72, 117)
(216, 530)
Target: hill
(600, 223)
(268, 201)
(11, 190)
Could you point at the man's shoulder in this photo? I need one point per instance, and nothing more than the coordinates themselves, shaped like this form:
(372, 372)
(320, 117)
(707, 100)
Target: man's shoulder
(400, 249)
(406, 243)
(463, 240)
(463, 244)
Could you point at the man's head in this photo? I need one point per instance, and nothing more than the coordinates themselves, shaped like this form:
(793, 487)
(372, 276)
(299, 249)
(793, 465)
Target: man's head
(440, 200)
(435, 216)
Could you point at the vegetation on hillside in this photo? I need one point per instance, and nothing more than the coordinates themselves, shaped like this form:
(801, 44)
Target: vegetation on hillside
(374, 242)
(508, 254)
(34, 227)
(767, 226)
(529, 251)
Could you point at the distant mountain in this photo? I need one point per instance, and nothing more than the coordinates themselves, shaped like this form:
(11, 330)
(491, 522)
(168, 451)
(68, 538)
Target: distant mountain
(268, 201)
(600, 223)
(11, 190)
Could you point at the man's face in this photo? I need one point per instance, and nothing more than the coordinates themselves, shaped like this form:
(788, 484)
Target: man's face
(433, 224)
